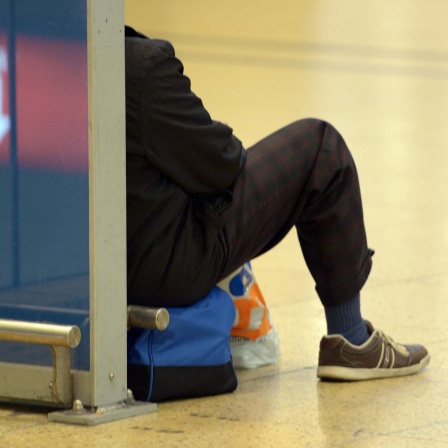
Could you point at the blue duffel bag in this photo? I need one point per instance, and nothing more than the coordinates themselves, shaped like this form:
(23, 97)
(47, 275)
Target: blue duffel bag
(191, 358)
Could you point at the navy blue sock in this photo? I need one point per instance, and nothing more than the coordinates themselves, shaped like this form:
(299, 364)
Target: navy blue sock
(347, 321)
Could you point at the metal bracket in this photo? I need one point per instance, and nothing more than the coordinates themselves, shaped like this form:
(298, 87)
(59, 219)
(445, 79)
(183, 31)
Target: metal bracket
(79, 415)
(60, 339)
(137, 316)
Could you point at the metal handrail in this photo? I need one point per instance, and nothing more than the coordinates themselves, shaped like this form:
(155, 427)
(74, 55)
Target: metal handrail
(40, 333)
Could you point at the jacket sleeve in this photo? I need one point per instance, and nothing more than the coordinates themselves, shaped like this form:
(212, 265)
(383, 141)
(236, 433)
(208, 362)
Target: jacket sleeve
(180, 138)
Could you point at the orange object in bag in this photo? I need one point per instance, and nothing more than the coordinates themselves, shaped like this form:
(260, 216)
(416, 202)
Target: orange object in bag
(253, 337)
(252, 315)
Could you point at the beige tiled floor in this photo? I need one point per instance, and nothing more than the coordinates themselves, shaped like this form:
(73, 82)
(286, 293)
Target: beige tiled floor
(379, 72)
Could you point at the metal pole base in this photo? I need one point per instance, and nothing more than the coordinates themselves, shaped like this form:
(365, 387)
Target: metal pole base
(79, 415)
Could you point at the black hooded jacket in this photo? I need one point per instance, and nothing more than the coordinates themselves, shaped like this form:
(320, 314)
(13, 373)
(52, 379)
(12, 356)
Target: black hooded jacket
(179, 166)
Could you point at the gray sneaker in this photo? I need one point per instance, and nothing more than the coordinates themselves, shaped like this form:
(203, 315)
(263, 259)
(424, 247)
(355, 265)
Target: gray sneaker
(378, 357)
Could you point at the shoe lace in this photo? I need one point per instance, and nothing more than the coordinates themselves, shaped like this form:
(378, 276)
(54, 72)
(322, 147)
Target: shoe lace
(395, 345)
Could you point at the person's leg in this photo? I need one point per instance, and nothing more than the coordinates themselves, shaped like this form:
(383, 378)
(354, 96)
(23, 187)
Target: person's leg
(304, 176)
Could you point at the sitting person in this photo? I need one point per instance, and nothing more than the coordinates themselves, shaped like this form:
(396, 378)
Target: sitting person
(199, 206)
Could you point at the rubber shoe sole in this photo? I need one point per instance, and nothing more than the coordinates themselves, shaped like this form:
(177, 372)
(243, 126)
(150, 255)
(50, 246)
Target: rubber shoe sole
(336, 373)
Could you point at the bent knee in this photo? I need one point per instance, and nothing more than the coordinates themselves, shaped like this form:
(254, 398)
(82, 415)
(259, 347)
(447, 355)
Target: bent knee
(315, 125)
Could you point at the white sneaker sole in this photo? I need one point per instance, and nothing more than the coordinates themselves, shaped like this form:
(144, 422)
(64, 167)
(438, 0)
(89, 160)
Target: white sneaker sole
(357, 374)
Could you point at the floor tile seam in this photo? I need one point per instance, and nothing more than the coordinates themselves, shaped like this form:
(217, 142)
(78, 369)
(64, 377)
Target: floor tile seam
(312, 47)
(297, 62)
(307, 54)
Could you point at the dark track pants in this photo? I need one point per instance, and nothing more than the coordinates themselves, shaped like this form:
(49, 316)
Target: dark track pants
(302, 175)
